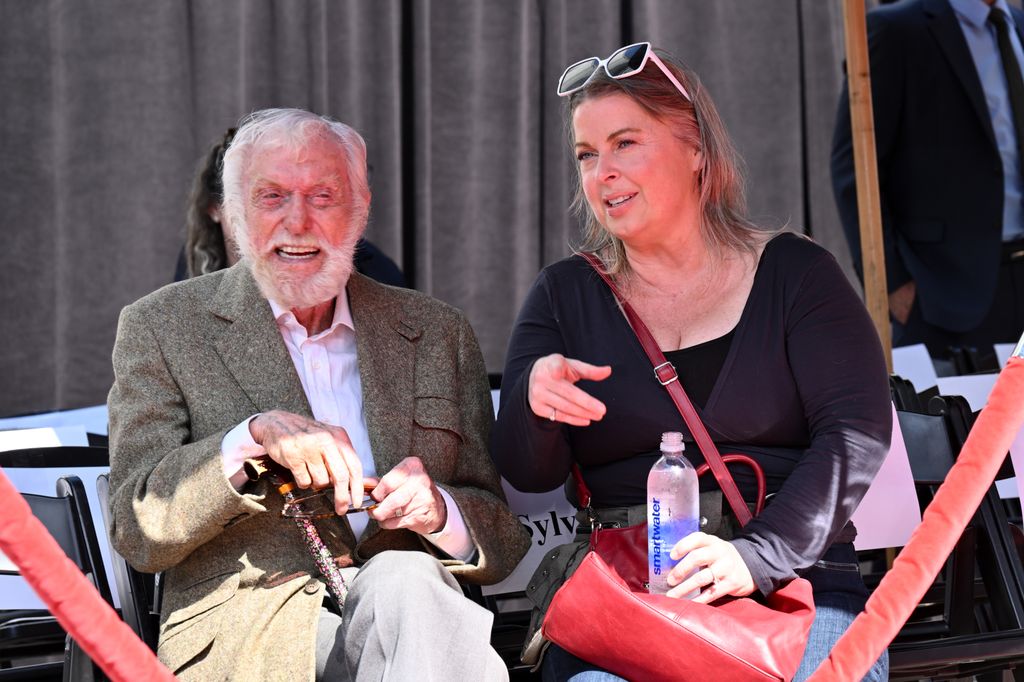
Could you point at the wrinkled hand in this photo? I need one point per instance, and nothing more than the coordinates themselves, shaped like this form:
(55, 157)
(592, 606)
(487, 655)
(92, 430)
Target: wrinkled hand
(553, 395)
(721, 570)
(318, 455)
(409, 499)
(901, 301)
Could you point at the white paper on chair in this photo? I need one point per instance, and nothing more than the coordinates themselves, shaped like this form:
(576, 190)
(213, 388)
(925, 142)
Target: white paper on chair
(43, 438)
(973, 387)
(914, 364)
(889, 512)
(94, 419)
(550, 520)
(1003, 351)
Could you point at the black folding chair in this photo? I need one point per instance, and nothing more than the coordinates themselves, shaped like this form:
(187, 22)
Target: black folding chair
(66, 516)
(971, 622)
(35, 634)
(139, 592)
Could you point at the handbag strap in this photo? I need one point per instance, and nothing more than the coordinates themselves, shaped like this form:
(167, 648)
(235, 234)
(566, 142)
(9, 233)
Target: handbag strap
(666, 374)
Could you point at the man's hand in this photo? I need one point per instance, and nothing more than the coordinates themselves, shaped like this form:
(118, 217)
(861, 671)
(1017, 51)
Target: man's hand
(409, 499)
(901, 301)
(553, 394)
(318, 455)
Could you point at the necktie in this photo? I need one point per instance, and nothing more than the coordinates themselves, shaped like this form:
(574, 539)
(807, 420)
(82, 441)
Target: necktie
(1014, 82)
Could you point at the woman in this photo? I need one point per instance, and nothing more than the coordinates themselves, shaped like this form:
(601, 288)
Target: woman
(210, 245)
(771, 343)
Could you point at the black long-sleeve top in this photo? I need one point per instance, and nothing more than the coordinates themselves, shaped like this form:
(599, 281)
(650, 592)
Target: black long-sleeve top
(803, 390)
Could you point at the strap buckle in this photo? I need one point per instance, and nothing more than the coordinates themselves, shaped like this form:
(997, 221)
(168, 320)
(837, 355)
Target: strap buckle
(668, 376)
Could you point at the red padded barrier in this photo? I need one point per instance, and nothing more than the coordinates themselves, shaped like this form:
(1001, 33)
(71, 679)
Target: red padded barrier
(944, 520)
(69, 595)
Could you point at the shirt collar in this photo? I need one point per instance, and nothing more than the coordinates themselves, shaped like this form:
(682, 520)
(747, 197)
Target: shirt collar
(975, 12)
(342, 315)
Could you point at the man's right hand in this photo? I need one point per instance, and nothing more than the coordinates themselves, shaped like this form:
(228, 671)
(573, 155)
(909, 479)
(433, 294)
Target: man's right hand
(317, 454)
(901, 301)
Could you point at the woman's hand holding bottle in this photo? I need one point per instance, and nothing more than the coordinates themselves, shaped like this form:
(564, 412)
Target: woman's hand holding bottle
(722, 570)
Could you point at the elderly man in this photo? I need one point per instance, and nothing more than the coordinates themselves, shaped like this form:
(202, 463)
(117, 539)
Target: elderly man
(339, 380)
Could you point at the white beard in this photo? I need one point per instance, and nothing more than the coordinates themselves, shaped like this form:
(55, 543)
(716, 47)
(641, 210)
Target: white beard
(297, 293)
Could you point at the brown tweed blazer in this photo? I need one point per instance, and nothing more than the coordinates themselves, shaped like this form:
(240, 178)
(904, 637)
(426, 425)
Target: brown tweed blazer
(196, 358)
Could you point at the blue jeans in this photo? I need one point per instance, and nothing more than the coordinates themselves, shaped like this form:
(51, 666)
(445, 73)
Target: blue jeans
(561, 666)
(834, 611)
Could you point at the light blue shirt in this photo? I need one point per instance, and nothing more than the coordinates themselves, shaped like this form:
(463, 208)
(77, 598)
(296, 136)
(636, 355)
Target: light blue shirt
(981, 39)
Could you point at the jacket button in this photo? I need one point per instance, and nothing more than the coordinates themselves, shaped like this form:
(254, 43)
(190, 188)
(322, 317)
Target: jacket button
(312, 587)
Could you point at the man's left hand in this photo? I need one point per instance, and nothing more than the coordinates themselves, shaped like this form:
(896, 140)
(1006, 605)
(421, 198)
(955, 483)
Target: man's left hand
(409, 499)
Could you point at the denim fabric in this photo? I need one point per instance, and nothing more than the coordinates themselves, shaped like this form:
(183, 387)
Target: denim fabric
(839, 595)
(561, 666)
(834, 613)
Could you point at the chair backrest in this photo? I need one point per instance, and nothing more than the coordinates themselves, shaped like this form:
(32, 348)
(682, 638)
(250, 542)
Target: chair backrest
(138, 591)
(67, 518)
(975, 625)
(57, 457)
(69, 521)
(36, 470)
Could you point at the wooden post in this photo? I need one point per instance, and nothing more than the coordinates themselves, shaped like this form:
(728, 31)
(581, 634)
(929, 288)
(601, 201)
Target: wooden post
(858, 76)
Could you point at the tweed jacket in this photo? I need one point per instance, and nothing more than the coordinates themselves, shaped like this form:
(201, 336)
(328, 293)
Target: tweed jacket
(196, 358)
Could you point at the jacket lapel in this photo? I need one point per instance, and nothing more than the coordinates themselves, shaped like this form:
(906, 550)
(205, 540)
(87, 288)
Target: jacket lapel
(944, 25)
(386, 351)
(252, 348)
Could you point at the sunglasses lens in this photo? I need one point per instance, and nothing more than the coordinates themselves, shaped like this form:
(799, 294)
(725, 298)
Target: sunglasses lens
(577, 75)
(627, 61)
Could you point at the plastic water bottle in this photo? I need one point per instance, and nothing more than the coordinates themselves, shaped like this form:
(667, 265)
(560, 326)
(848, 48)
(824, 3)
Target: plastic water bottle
(673, 509)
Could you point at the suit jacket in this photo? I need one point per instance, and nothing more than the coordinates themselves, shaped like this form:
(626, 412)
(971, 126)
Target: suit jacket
(196, 358)
(940, 175)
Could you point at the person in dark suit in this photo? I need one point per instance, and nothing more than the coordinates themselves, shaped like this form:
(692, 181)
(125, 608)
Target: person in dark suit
(291, 355)
(210, 246)
(949, 167)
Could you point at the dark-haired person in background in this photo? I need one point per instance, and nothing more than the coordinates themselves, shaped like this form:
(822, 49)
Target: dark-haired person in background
(210, 246)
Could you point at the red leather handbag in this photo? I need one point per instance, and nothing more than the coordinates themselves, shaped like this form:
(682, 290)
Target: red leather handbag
(604, 614)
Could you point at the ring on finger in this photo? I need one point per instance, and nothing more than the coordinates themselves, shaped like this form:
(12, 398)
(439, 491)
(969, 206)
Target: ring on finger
(398, 513)
(714, 579)
(554, 413)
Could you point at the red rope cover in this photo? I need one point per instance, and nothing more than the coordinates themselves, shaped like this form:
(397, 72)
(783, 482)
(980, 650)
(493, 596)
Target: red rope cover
(69, 595)
(943, 522)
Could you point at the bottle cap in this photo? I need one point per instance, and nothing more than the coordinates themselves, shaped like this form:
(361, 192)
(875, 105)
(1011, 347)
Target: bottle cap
(672, 441)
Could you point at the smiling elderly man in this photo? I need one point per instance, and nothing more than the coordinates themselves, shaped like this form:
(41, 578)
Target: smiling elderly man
(340, 380)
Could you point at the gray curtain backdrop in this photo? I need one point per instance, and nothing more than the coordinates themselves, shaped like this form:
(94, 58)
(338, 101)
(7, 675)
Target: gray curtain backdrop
(108, 105)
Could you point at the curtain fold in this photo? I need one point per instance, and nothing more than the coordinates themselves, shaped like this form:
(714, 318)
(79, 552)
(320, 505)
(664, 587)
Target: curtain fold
(109, 107)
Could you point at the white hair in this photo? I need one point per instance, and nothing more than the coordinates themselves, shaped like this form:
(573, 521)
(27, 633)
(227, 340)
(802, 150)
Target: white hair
(293, 127)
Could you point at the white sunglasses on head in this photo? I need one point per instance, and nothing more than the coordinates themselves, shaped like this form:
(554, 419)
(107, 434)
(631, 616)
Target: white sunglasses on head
(624, 62)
